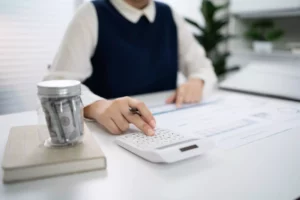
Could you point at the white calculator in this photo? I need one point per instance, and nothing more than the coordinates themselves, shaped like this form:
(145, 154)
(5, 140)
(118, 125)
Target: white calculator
(165, 147)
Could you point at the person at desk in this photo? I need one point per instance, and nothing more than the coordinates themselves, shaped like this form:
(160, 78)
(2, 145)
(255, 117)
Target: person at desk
(119, 48)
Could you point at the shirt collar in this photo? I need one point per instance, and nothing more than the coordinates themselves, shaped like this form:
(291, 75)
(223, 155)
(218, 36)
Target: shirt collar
(133, 14)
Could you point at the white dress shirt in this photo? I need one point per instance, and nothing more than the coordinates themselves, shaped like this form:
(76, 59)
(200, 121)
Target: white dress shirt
(73, 60)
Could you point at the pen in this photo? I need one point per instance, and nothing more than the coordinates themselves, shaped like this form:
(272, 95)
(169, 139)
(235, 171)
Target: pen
(135, 111)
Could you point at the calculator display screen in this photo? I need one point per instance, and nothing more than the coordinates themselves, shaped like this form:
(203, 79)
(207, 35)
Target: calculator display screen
(177, 143)
(188, 148)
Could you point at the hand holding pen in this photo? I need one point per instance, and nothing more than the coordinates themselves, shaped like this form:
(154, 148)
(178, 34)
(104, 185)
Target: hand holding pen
(116, 115)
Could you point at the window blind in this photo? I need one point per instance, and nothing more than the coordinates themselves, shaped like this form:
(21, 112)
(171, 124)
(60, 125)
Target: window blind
(30, 34)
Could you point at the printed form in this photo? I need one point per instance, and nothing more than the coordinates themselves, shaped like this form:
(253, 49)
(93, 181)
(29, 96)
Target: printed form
(232, 120)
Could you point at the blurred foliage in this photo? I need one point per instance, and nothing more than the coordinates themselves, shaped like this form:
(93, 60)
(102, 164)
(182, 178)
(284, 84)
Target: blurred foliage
(211, 36)
(264, 30)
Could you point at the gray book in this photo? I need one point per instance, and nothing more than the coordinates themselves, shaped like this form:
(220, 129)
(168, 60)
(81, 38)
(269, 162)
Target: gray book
(25, 157)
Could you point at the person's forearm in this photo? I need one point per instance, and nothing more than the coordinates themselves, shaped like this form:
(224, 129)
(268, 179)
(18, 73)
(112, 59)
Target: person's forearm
(195, 79)
(91, 111)
(193, 62)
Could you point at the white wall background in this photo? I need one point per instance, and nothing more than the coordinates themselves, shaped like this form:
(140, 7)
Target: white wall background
(30, 33)
(190, 8)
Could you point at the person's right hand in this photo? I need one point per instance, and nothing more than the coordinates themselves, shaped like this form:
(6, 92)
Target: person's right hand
(115, 115)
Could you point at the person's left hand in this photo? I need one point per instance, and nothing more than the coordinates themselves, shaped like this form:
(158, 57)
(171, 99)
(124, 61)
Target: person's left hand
(189, 92)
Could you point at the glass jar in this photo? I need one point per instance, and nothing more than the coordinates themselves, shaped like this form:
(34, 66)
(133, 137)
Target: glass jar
(60, 113)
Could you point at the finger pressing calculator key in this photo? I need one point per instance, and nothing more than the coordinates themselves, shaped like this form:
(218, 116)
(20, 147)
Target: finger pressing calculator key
(165, 146)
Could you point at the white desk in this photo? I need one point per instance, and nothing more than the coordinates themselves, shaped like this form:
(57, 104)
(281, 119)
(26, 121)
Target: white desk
(266, 169)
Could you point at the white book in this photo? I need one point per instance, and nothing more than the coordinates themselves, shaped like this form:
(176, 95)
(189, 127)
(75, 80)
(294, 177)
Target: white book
(26, 158)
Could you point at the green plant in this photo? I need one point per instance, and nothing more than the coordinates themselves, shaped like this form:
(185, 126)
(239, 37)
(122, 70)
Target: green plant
(264, 30)
(211, 36)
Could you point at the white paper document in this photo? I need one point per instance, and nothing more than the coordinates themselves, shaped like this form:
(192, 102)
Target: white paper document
(231, 120)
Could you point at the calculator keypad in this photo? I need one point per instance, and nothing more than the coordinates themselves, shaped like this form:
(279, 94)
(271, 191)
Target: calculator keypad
(162, 137)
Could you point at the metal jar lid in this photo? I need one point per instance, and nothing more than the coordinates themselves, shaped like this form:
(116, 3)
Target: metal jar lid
(59, 88)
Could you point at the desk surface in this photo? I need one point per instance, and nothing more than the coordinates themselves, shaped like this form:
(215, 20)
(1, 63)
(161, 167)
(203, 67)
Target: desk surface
(266, 169)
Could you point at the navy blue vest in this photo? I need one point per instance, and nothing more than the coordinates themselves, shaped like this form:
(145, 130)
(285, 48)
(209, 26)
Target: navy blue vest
(131, 58)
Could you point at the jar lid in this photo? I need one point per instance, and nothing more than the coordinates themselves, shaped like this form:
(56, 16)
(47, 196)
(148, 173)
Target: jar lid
(59, 88)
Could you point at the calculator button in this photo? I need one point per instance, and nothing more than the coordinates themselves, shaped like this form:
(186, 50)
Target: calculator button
(162, 138)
